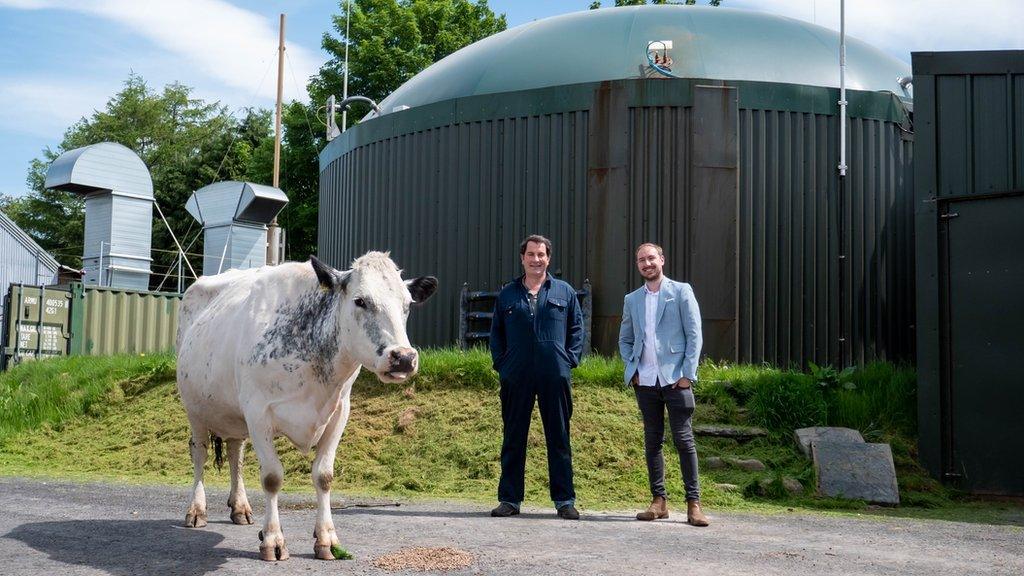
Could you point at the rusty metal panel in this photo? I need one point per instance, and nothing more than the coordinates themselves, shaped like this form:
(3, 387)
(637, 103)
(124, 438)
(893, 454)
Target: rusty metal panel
(714, 215)
(128, 322)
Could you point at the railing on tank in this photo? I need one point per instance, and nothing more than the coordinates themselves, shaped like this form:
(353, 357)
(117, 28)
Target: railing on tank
(476, 309)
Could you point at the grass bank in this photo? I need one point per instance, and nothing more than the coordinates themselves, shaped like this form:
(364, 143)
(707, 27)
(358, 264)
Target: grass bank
(120, 418)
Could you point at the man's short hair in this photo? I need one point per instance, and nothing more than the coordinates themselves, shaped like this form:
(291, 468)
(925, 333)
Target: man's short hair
(538, 239)
(650, 245)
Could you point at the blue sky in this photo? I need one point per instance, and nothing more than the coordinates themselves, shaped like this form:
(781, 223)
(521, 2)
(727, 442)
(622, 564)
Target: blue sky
(62, 59)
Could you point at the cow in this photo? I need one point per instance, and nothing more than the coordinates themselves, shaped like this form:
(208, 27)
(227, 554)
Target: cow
(273, 352)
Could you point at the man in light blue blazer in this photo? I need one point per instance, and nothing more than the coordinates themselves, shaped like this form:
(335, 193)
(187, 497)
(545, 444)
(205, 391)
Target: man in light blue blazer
(660, 341)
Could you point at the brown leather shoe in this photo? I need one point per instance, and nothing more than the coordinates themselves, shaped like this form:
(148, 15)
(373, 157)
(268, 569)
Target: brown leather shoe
(694, 516)
(658, 509)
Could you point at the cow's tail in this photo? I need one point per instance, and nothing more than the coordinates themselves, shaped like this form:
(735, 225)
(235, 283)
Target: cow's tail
(218, 451)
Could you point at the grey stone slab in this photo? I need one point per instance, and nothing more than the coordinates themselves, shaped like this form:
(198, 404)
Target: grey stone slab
(740, 433)
(856, 471)
(805, 436)
(750, 465)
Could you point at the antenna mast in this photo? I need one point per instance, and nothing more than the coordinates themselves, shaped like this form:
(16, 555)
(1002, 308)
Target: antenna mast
(344, 85)
(273, 234)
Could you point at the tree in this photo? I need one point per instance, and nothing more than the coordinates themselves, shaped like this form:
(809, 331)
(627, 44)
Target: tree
(390, 41)
(185, 142)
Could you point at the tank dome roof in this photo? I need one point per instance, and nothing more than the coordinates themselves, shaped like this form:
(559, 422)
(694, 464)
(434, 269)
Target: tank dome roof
(611, 44)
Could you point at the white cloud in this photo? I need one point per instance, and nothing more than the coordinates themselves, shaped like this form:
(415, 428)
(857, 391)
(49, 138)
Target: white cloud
(905, 26)
(44, 107)
(231, 45)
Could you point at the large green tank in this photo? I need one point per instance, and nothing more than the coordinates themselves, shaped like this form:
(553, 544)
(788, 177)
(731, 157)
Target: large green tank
(563, 127)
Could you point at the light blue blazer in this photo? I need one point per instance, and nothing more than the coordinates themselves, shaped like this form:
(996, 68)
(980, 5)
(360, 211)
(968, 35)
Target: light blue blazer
(677, 333)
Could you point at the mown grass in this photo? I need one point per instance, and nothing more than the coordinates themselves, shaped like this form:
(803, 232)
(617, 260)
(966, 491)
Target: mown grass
(120, 418)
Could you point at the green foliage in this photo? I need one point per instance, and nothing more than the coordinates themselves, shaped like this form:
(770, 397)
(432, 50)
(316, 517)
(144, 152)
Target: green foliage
(121, 418)
(185, 142)
(340, 553)
(784, 401)
(52, 391)
(390, 41)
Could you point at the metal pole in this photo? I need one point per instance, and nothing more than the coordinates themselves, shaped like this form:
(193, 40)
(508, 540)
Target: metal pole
(175, 238)
(179, 275)
(841, 199)
(272, 236)
(99, 273)
(17, 324)
(344, 84)
(39, 323)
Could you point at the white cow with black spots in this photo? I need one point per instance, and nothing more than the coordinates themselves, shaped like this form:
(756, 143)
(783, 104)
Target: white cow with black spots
(274, 351)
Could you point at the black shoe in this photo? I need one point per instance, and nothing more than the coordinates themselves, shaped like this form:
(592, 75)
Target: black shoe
(568, 512)
(505, 510)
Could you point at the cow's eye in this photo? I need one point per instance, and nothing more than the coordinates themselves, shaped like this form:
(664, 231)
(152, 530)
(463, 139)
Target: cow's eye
(360, 302)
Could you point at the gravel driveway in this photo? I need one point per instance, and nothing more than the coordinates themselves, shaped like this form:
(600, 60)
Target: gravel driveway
(71, 528)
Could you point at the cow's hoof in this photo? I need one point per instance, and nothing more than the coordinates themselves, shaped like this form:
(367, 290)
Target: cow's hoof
(242, 516)
(323, 552)
(195, 519)
(273, 553)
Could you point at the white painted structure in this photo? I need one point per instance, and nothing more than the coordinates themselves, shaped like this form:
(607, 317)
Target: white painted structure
(234, 216)
(118, 192)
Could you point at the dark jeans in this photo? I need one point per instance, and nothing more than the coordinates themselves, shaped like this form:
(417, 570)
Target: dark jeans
(554, 397)
(653, 400)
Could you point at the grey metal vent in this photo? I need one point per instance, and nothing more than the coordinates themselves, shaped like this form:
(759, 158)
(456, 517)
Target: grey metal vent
(234, 216)
(118, 193)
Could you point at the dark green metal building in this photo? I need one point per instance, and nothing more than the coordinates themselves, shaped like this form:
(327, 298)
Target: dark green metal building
(969, 176)
(561, 127)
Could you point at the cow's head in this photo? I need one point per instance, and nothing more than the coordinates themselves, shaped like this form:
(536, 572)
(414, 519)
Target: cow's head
(373, 303)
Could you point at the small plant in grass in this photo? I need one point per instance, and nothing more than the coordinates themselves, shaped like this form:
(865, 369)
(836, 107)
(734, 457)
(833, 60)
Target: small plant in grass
(831, 379)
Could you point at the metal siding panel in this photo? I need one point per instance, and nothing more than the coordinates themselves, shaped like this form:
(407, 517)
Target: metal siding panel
(1018, 131)
(126, 322)
(499, 179)
(952, 104)
(990, 125)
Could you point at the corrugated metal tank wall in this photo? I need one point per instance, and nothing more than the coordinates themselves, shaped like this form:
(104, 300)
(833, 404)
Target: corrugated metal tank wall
(789, 240)
(455, 202)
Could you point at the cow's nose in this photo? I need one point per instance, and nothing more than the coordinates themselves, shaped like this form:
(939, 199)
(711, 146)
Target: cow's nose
(403, 360)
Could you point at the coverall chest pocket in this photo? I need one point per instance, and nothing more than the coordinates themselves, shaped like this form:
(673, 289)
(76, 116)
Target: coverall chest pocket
(552, 325)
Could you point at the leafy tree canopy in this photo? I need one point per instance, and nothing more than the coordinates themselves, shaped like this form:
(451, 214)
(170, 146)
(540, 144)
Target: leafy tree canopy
(186, 143)
(390, 41)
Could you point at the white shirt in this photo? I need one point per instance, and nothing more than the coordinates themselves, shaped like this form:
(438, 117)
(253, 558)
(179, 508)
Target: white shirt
(649, 357)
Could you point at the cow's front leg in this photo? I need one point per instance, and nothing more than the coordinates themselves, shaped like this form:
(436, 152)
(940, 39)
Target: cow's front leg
(197, 448)
(323, 474)
(271, 475)
(238, 502)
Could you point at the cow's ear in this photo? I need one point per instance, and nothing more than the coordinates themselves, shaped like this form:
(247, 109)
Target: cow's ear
(324, 273)
(421, 288)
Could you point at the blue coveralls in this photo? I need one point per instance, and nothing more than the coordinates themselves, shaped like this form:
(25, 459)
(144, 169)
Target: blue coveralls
(534, 354)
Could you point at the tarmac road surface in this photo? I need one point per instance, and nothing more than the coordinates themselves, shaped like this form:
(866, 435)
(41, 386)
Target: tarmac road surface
(78, 529)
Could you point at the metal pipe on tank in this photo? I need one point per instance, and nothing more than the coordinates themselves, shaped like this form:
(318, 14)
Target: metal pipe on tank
(842, 88)
(841, 200)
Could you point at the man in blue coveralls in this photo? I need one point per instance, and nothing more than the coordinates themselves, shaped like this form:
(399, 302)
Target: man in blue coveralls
(536, 340)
